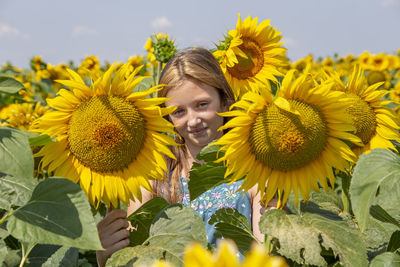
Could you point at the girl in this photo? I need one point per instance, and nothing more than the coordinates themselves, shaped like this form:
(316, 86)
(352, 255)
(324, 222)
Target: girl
(196, 85)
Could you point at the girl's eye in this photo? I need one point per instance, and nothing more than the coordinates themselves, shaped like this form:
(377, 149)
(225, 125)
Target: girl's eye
(203, 104)
(177, 112)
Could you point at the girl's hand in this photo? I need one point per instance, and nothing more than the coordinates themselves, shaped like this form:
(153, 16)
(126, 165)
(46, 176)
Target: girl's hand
(113, 234)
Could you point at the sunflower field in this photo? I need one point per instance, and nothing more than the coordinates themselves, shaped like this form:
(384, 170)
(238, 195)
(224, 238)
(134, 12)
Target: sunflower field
(319, 135)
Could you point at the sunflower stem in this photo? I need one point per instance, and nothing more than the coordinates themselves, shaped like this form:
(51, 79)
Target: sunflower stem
(268, 243)
(345, 193)
(25, 255)
(5, 217)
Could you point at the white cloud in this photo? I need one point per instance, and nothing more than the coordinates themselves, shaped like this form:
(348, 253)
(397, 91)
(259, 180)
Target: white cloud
(161, 23)
(389, 3)
(288, 42)
(80, 31)
(7, 30)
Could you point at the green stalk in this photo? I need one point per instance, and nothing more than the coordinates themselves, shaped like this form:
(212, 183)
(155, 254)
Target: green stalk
(345, 193)
(25, 255)
(269, 245)
(158, 72)
(5, 217)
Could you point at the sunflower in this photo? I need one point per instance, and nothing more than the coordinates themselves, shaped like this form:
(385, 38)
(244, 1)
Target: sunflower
(375, 124)
(290, 142)
(150, 48)
(227, 255)
(21, 116)
(108, 138)
(90, 67)
(250, 56)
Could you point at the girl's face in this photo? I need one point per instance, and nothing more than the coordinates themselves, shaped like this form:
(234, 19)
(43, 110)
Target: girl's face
(195, 118)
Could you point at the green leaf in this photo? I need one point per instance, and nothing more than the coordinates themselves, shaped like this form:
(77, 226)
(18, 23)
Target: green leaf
(15, 191)
(40, 140)
(372, 170)
(233, 225)
(13, 258)
(380, 214)
(58, 213)
(387, 259)
(205, 176)
(301, 237)
(394, 243)
(3, 251)
(172, 230)
(142, 218)
(10, 85)
(15, 153)
(50, 255)
(145, 84)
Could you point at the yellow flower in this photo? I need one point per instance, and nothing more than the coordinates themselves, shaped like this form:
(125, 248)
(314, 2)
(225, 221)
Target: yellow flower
(395, 93)
(108, 138)
(290, 142)
(227, 256)
(90, 67)
(22, 116)
(250, 56)
(375, 124)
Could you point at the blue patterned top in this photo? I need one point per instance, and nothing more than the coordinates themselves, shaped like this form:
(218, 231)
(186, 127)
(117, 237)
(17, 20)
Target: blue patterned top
(222, 196)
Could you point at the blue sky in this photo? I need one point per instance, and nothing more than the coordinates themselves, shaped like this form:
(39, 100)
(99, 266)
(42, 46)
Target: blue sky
(60, 31)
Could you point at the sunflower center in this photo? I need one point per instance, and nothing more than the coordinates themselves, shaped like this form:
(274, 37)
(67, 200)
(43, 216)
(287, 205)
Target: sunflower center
(285, 141)
(363, 117)
(250, 66)
(106, 133)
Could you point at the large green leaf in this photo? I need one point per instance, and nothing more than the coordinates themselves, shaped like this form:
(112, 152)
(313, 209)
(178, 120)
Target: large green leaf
(374, 169)
(15, 191)
(15, 154)
(10, 85)
(142, 218)
(207, 175)
(234, 225)
(301, 237)
(3, 247)
(394, 243)
(380, 214)
(58, 213)
(387, 259)
(172, 230)
(12, 259)
(50, 255)
(145, 84)
(40, 140)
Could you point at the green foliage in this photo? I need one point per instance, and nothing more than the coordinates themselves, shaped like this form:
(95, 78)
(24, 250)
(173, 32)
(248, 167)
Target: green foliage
(379, 169)
(15, 191)
(233, 225)
(40, 140)
(49, 255)
(57, 213)
(394, 242)
(387, 259)
(207, 175)
(164, 49)
(142, 218)
(9, 85)
(301, 237)
(15, 154)
(172, 230)
(145, 84)
(380, 214)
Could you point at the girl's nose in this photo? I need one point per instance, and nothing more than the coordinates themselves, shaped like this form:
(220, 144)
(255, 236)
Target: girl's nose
(193, 119)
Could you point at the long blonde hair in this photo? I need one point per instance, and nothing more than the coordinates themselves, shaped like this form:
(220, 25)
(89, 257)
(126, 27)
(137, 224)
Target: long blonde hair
(196, 64)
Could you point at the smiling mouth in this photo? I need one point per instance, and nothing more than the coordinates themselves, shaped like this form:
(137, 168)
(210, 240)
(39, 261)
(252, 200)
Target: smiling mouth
(198, 131)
